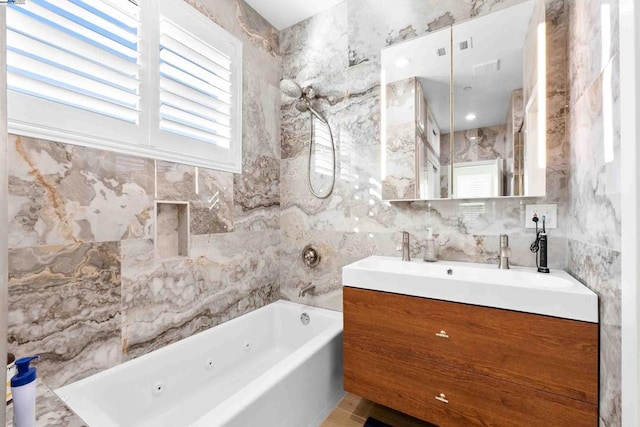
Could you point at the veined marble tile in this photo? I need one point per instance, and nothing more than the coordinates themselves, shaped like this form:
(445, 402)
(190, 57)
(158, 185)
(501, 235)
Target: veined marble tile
(212, 210)
(64, 194)
(336, 250)
(64, 304)
(316, 48)
(600, 269)
(558, 150)
(260, 117)
(295, 197)
(50, 410)
(401, 150)
(209, 193)
(257, 29)
(594, 228)
(257, 63)
(464, 233)
(557, 27)
(610, 376)
(400, 179)
(227, 275)
(490, 144)
(355, 204)
(257, 194)
(242, 21)
(295, 130)
(593, 42)
(595, 186)
(361, 120)
(162, 302)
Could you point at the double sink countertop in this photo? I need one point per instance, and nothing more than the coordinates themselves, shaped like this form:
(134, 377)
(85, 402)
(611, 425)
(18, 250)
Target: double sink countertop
(522, 289)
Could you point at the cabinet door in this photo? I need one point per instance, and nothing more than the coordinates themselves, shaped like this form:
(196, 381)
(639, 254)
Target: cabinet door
(546, 353)
(449, 396)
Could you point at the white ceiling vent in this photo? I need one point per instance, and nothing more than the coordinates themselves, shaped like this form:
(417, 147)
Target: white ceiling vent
(486, 68)
(466, 44)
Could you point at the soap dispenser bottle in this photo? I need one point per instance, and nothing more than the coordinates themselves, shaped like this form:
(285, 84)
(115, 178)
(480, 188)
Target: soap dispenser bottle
(23, 388)
(430, 251)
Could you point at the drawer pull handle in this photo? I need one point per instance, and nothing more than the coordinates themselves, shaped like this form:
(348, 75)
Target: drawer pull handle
(442, 398)
(442, 334)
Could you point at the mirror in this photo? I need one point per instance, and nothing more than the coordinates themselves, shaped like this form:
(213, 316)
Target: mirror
(416, 78)
(464, 112)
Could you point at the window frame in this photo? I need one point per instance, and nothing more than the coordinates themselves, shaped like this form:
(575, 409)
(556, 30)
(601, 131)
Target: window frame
(62, 123)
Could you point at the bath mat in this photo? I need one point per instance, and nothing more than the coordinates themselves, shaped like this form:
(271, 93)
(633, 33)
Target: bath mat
(372, 422)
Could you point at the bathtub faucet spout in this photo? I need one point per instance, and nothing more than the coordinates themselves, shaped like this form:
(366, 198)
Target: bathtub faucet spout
(305, 290)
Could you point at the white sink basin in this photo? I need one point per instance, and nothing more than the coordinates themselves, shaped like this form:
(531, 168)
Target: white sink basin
(520, 288)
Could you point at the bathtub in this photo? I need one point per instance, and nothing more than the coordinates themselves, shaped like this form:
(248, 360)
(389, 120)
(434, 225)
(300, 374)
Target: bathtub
(265, 368)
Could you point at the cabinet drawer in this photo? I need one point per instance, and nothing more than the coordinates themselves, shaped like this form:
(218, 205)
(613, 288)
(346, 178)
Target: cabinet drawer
(449, 396)
(541, 352)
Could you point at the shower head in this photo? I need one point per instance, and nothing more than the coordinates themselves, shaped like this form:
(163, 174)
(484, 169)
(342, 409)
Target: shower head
(290, 88)
(303, 105)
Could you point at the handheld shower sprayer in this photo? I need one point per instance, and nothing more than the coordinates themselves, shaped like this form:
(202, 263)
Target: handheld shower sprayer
(303, 97)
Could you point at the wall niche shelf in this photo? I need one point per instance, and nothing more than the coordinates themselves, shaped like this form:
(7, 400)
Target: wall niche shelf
(171, 229)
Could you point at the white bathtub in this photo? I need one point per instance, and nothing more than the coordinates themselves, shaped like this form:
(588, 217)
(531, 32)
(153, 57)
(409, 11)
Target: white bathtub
(262, 369)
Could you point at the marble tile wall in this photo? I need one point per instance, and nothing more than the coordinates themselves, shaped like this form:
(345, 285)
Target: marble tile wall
(471, 145)
(338, 51)
(85, 289)
(486, 143)
(594, 186)
(400, 182)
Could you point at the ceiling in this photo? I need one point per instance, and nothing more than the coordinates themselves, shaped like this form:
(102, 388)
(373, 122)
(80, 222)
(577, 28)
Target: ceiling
(284, 13)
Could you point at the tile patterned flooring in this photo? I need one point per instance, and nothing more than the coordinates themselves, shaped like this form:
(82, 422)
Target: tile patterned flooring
(353, 411)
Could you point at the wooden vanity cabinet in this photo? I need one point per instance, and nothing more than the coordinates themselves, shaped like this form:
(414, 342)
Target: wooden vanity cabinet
(455, 364)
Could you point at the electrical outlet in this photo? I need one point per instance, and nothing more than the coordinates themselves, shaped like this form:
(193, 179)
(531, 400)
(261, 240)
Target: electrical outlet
(549, 211)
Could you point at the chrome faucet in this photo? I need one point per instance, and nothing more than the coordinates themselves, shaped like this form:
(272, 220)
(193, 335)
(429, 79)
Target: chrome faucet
(505, 252)
(406, 256)
(306, 289)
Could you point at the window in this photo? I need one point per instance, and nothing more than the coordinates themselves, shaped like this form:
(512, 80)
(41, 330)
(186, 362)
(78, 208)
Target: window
(478, 179)
(152, 78)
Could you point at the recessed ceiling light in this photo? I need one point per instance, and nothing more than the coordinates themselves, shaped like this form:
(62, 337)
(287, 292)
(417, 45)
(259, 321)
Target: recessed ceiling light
(470, 116)
(402, 62)
(473, 138)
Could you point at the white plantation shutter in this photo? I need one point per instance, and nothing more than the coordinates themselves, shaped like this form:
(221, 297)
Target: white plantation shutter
(200, 79)
(153, 78)
(195, 87)
(75, 64)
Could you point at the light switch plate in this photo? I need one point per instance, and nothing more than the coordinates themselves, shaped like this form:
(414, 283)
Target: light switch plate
(549, 211)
